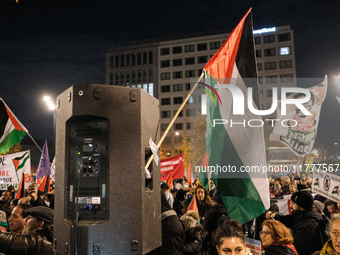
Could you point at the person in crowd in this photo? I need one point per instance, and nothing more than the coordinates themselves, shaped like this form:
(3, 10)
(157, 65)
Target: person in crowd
(285, 181)
(230, 239)
(292, 188)
(16, 222)
(306, 225)
(36, 238)
(172, 231)
(40, 219)
(180, 197)
(5, 200)
(277, 188)
(276, 239)
(194, 233)
(13, 203)
(318, 206)
(204, 202)
(332, 246)
(168, 194)
(212, 219)
(11, 189)
(331, 207)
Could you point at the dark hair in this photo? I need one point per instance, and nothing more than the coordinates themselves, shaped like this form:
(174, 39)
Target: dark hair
(330, 202)
(228, 229)
(24, 207)
(207, 199)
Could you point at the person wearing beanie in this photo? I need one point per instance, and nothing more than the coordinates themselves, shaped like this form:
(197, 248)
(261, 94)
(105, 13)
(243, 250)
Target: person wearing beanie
(306, 224)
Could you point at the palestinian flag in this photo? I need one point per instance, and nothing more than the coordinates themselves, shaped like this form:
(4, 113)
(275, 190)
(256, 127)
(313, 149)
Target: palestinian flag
(245, 195)
(21, 190)
(335, 190)
(19, 162)
(11, 130)
(45, 185)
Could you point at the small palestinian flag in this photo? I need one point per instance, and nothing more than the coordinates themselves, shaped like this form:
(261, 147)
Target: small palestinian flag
(19, 162)
(316, 182)
(11, 130)
(335, 190)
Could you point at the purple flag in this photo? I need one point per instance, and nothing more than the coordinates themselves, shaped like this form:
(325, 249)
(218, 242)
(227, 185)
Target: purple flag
(44, 167)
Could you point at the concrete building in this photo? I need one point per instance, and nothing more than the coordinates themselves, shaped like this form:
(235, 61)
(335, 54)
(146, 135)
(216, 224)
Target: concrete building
(166, 68)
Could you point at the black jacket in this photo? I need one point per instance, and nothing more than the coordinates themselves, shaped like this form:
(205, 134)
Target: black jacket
(306, 230)
(172, 231)
(278, 250)
(27, 244)
(194, 238)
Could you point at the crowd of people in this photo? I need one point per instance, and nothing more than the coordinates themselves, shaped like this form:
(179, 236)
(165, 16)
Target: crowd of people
(26, 224)
(313, 227)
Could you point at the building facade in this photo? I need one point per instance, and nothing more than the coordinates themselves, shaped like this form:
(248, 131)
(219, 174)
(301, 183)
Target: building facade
(167, 68)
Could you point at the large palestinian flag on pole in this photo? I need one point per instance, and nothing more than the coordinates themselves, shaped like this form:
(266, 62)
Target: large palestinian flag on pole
(244, 194)
(11, 130)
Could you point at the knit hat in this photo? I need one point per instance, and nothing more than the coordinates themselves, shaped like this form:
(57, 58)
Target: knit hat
(303, 199)
(320, 206)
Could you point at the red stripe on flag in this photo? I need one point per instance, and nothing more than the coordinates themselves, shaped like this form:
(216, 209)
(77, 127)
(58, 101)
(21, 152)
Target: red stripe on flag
(14, 120)
(221, 65)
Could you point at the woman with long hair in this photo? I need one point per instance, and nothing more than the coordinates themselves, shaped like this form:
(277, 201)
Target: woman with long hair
(230, 239)
(276, 239)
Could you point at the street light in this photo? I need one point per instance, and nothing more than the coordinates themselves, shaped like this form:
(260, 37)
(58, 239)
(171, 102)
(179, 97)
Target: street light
(49, 103)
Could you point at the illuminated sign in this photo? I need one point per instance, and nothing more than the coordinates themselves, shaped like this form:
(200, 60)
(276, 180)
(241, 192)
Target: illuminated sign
(264, 30)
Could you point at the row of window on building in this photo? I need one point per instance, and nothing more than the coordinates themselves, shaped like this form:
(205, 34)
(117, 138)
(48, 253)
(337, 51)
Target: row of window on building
(133, 76)
(175, 87)
(272, 65)
(284, 78)
(179, 74)
(189, 48)
(178, 100)
(191, 112)
(271, 52)
(177, 140)
(187, 61)
(131, 59)
(272, 38)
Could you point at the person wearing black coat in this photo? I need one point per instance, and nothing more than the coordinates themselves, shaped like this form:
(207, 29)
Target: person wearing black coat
(304, 223)
(172, 231)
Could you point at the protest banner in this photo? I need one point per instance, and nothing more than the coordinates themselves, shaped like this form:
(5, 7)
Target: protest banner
(326, 184)
(254, 246)
(174, 166)
(12, 167)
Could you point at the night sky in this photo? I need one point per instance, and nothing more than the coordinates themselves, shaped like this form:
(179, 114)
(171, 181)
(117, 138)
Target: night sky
(48, 45)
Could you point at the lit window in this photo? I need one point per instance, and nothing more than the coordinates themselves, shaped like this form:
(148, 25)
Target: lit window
(285, 50)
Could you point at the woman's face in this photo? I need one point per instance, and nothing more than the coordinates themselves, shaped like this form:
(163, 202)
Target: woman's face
(231, 246)
(200, 194)
(335, 235)
(266, 236)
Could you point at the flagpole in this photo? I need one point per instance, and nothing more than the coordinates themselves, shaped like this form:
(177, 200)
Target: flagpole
(174, 119)
(40, 150)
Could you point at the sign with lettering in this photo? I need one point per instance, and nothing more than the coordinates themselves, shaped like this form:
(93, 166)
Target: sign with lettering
(12, 168)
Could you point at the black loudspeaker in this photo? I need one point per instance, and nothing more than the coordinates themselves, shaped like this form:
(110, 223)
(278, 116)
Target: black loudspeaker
(105, 203)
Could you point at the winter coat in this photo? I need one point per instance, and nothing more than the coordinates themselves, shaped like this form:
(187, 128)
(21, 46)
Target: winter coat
(280, 250)
(25, 244)
(194, 240)
(172, 231)
(306, 230)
